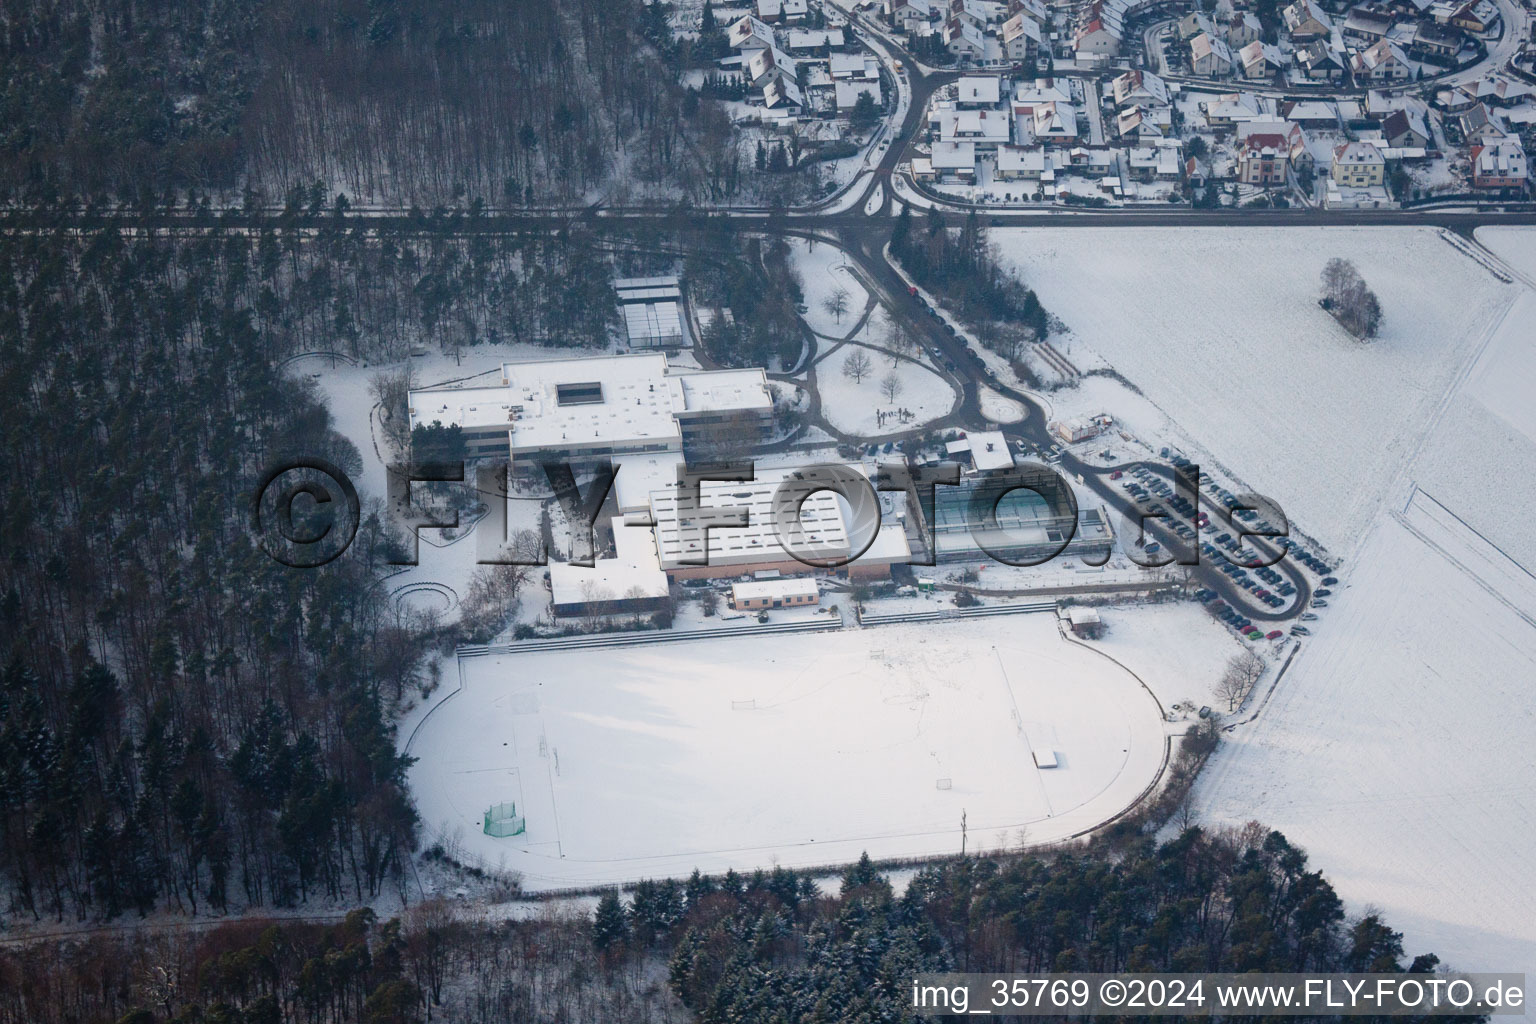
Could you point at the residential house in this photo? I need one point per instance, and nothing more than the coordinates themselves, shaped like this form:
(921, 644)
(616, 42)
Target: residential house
(1056, 121)
(905, 15)
(1028, 95)
(1500, 165)
(1264, 161)
(1305, 21)
(1194, 24)
(973, 91)
(1320, 114)
(1226, 112)
(1384, 61)
(853, 67)
(987, 129)
(770, 65)
(802, 40)
(1143, 123)
(1406, 129)
(749, 33)
(963, 39)
(1475, 16)
(954, 161)
(783, 95)
(1026, 163)
(1139, 89)
(1021, 37)
(847, 93)
(1367, 24)
(1318, 61)
(1239, 29)
(1358, 165)
(1209, 57)
(1097, 35)
(1501, 91)
(1436, 41)
(1260, 60)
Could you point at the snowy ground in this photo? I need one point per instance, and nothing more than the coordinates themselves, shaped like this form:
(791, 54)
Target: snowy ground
(1399, 751)
(998, 408)
(1400, 747)
(632, 763)
(823, 271)
(855, 408)
(1515, 246)
(1220, 329)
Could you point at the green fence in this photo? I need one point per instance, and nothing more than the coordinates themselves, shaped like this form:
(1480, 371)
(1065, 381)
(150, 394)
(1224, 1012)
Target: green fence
(502, 821)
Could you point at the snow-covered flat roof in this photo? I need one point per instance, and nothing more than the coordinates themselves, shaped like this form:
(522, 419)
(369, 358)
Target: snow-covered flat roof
(725, 390)
(789, 586)
(638, 475)
(596, 399)
(470, 408)
(824, 522)
(632, 572)
(821, 520)
(989, 450)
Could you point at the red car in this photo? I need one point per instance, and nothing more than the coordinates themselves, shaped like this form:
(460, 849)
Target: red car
(1273, 634)
(1116, 475)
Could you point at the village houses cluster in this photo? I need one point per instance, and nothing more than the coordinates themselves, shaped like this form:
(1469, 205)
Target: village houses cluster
(1107, 102)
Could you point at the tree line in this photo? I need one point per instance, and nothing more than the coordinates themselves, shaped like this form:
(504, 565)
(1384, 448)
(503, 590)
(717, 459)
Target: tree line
(770, 947)
(389, 101)
(963, 266)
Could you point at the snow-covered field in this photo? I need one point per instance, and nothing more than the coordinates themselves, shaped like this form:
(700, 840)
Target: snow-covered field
(1221, 330)
(633, 763)
(854, 407)
(824, 270)
(1515, 246)
(1400, 749)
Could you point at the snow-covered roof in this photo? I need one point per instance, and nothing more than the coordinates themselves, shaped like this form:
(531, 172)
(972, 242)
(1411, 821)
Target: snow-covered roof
(633, 571)
(775, 590)
(824, 529)
(989, 450)
(980, 89)
(724, 390)
(953, 156)
(813, 38)
(848, 93)
(591, 401)
(637, 476)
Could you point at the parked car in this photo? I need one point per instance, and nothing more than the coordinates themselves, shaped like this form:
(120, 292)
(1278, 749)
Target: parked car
(1319, 603)
(1273, 634)
(1301, 631)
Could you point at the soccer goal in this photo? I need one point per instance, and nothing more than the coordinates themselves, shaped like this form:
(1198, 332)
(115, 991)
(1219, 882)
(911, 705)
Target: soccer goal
(744, 705)
(501, 821)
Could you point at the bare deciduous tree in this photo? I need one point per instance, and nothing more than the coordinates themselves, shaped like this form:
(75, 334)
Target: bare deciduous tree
(857, 366)
(1346, 296)
(1237, 681)
(890, 386)
(836, 304)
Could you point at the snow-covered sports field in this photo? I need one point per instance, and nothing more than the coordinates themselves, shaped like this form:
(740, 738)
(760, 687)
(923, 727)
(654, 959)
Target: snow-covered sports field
(644, 762)
(1220, 329)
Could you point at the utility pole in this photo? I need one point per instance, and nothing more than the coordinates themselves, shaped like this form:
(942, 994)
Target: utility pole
(962, 831)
